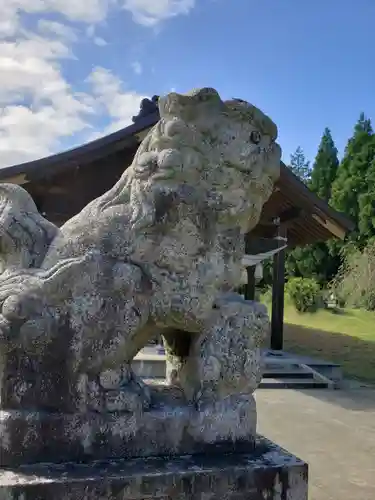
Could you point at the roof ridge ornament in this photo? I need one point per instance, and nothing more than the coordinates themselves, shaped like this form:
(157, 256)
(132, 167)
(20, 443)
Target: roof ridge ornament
(146, 107)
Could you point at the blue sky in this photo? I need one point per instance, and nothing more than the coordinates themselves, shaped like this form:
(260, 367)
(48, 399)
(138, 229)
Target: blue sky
(72, 71)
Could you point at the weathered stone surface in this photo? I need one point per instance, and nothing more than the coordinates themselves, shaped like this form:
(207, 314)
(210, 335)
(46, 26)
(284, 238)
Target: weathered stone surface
(268, 473)
(169, 427)
(160, 253)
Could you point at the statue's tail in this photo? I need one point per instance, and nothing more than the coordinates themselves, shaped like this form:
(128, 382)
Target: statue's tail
(24, 234)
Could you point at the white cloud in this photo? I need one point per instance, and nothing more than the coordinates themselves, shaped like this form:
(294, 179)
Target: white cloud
(60, 30)
(119, 104)
(39, 107)
(137, 67)
(9, 19)
(89, 11)
(100, 42)
(90, 33)
(151, 12)
(26, 134)
(39, 104)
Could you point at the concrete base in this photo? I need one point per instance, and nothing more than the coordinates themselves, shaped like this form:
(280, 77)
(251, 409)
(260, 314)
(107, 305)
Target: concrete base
(267, 473)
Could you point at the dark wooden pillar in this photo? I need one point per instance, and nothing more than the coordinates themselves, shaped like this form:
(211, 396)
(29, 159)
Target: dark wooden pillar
(250, 271)
(278, 280)
(250, 285)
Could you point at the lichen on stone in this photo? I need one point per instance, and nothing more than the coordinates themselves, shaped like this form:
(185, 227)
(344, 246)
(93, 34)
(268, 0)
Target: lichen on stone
(159, 253)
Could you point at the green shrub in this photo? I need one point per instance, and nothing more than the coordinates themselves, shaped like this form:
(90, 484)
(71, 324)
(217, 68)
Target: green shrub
(304, 293)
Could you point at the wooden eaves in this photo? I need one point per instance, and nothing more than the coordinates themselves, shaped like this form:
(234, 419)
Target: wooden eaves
(63, 183)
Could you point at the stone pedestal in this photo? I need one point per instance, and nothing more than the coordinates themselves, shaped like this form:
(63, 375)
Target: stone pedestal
(171, 427)
(268, 472)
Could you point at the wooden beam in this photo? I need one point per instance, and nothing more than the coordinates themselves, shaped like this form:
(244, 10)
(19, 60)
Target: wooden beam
(264, 231)
(290, 215)
(19, 179)
(285, 217)
(250, 285)
(256, 245)
(250, 271)
(331, 226)
(300, 194)
(278, 281)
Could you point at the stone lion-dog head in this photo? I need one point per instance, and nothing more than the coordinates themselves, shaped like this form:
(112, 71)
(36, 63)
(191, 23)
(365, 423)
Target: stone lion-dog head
(223, 150)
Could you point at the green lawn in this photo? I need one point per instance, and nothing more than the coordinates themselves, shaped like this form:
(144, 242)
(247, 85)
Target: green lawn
(346, 337)
(354, 322)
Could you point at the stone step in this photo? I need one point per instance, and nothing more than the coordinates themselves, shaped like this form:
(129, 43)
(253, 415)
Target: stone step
(149, 368)
(275, 359)
(281, 366)
(289, 374)
(279, 373)
(292, 383)
(284, 382)
(156, 368)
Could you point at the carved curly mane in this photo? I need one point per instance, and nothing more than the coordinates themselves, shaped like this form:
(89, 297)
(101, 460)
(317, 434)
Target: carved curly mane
(24, 234)
(184, 150)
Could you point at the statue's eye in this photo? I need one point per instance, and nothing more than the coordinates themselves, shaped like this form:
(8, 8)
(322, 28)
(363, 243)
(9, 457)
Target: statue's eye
(255, 137)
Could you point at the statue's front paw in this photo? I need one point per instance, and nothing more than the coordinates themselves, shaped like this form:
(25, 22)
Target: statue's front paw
(17, 307)
(18, 294)
(226, 359)
(5, 329)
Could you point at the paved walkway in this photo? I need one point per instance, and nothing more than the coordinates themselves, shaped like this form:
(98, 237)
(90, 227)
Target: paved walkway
(334, 431)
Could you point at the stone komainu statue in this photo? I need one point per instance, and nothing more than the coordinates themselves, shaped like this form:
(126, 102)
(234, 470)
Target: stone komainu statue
(160, 253)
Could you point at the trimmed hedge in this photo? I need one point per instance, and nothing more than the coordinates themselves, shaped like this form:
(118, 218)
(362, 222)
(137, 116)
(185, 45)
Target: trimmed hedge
(304, 293)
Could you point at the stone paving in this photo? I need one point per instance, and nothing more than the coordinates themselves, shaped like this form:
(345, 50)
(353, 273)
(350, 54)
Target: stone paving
(334, 431)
